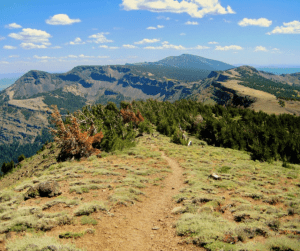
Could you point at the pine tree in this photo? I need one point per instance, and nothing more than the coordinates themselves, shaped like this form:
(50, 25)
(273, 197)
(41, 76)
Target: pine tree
(74, 142)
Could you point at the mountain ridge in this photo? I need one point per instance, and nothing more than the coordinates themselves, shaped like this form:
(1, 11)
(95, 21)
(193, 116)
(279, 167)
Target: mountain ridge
(24, 105)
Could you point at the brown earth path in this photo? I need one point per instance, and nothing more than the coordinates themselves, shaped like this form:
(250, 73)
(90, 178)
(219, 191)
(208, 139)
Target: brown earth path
(147, 225)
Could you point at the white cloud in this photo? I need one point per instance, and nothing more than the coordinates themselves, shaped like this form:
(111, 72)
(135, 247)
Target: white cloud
(191, 23)
(42, 57)
(61, 19)
(182, 34)
(108, 47)
(200, 47)
(287, 28)
(163, 17)
(2, 38)
(56, 47)
(13, 26)
(129, 46)
(72, 56)
(147, 41)
(230, 47)
(213, 42)
(260, 48)
(100, 38)
(31, 38)
(165, 45)
(9, 47)
(154, 28)
(275, 49)
(13, 56)
(195, 8)
(29, 46)
(103, 57)
(84, 56)
(262, 22)
(4, 62)
(226, 21)
(77, 41)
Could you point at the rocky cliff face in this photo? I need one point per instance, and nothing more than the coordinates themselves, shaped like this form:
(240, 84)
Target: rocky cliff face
(24, 105)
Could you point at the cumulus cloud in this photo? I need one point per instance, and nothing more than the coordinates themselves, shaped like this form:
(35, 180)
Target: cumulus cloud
(100, 38)
(32, 38)
(182, 34)
(195, 8)
(4, 62)
(42, 57)
(212, 42)
(287, 28)
(13, 56)
(61, 19)
(28, 46)
(129, 46)
(2, 38)
(165, 45)
(262, 22)
(84, 56)
(260, 48)
(227, 48)
(200, 47)
(77, 41)
(191, 23)
(108, 47)
(13, 26)
(147, 41)
(154, 28)
(72, 56)
(163, 17)
(103, 57)
(56, 47)
(9, 47)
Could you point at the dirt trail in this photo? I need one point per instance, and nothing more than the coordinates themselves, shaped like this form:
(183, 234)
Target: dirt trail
(145, 226)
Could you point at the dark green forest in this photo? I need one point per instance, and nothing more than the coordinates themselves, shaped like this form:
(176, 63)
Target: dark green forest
(266, 137)
(279, 90)
(14, 150)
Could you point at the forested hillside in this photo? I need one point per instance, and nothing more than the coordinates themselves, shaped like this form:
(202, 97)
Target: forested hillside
(266, 137)
(278, 89)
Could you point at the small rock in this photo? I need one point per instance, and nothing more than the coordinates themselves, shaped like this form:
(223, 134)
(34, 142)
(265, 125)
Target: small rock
(90, 231)
(155, 228)
(178, 210)
(215, 176)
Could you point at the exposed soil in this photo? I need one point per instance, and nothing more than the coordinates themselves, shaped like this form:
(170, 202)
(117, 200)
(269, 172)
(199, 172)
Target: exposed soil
(147, 225)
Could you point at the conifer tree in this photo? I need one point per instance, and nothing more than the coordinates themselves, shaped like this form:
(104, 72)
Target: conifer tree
(74, 142)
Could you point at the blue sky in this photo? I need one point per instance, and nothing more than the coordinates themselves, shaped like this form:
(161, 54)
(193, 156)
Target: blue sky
(57, 35)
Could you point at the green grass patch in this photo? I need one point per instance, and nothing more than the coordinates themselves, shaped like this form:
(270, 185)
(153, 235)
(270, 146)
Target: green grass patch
(88, 220)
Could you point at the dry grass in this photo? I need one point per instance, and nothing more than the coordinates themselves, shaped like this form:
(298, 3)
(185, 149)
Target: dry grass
(253, 206)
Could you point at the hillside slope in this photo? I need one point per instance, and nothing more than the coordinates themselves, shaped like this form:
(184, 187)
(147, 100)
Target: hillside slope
(24, 106)
(245, 86)
(156, 196)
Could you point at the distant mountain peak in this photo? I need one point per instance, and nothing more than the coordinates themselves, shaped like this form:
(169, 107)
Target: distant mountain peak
(191, 62)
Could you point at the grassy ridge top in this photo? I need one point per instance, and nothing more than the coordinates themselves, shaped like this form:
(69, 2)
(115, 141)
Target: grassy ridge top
(253, 206)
